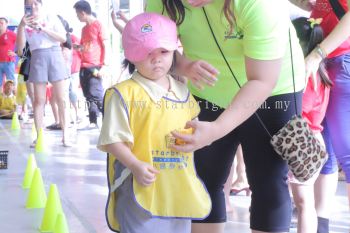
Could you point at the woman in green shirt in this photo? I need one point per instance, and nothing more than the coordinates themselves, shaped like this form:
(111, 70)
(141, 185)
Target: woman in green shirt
(255, 41)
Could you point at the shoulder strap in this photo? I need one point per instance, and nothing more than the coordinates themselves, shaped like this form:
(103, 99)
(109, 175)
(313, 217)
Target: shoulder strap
(233, 75)
(337, 8)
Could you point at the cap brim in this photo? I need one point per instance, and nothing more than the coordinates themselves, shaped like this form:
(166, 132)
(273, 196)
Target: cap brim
(145, 49)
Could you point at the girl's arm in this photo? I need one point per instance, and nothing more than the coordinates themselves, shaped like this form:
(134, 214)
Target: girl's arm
(262, 76)
(143, 172)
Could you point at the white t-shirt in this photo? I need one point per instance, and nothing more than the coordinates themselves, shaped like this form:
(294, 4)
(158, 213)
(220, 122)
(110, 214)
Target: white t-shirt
(41, 40)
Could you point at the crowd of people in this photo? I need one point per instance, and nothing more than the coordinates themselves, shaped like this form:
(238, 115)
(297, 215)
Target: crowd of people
(204, 100)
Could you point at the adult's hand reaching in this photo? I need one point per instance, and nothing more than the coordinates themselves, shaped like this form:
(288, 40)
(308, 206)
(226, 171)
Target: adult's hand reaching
(200, 73)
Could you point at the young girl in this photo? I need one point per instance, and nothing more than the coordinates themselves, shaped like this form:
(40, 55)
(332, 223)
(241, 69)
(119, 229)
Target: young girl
(150, 184)
(315, 101)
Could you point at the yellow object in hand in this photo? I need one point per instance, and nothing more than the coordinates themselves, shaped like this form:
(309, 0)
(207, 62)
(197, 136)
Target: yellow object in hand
(183, 131)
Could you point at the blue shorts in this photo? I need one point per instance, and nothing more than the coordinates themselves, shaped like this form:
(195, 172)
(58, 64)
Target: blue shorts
(7, 69)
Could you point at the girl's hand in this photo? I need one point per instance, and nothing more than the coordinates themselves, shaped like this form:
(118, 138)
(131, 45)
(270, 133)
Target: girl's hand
(204, 135)
(144, 173)
(312, 63)
(201, 73)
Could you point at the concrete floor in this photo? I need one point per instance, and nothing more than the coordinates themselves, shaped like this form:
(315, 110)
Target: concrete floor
(79, 173)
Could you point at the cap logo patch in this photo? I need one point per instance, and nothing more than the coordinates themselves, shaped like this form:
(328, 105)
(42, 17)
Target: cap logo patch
(146, 28)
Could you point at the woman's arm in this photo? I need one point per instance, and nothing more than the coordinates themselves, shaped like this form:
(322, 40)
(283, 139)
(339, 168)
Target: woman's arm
(20, 39)
(55, 35)
(116, 24)
(304, 4)
(338, 35)
(262, 77)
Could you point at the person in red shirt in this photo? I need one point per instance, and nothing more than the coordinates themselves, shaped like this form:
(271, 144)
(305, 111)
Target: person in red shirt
(93, 46)
(74, 77)
(335, 50)
(7, 55)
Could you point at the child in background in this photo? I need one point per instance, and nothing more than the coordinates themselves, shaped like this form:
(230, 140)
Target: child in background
(315, 101)
(7, 101)
(152, 187)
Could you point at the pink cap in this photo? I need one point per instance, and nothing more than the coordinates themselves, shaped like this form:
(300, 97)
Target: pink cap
(146, 32)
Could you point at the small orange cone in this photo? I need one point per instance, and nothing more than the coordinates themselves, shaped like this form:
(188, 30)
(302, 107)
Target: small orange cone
(37, 195)
(52, 209)
(29, 173)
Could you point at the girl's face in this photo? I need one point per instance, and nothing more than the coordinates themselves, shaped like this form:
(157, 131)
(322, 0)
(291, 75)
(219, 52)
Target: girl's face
(36, 6)
(156, 65)
(8, 88)
(199, 3)
(81, 15)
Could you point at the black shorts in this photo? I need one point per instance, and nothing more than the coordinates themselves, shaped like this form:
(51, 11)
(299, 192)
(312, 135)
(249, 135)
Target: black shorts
(266, 171)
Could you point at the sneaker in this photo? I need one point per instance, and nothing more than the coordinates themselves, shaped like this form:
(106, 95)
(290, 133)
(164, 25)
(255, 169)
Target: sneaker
(90, 126)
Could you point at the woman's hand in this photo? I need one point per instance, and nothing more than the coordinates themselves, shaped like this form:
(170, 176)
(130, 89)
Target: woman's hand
(312, 63)
(115, 17)
(11, 53)
(204, 134)
(143, 172)
(30, 21)
(200, 73)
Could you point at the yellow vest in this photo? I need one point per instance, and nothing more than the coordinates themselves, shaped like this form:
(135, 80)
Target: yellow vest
(177, 191)
(7, 102)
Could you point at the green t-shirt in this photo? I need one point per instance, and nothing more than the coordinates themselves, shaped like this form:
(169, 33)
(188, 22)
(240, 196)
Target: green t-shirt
(260, 32)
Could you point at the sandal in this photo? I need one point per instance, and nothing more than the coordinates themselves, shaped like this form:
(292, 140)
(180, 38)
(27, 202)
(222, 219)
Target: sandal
(32, 145)
(54, 126)
(66, 143)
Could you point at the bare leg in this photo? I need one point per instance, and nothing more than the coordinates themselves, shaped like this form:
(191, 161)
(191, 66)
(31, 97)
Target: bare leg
(208, 227)
(59, 90)
(241, 183)
(54, 107)
(227, 189)
(30, 91)
(325, 188)
(304, 200)
(39, 104)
